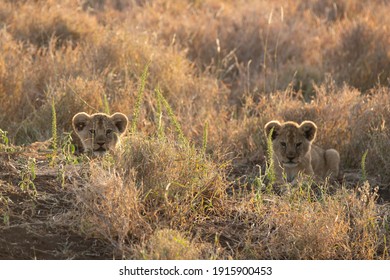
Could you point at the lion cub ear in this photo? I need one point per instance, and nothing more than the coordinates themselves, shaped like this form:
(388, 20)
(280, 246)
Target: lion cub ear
(276, 128)
(309, 129)
(120, 120)
(79, 121)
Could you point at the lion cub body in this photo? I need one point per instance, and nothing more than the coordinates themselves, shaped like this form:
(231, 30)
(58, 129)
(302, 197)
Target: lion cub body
(294, 151)
(99, 133)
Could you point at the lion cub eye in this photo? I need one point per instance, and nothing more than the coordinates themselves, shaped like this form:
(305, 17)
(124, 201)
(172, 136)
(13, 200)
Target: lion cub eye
(299, 144)
(283, 144)
(108, 131)
(92, 131)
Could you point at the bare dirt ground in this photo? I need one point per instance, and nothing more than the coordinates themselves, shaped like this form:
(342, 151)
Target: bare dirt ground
(29, 229)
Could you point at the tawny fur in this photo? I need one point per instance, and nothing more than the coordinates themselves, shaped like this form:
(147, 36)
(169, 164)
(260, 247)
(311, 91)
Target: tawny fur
(295, 152)
(99, 133)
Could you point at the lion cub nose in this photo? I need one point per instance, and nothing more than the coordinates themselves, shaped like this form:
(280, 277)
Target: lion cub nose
(100, 142)
(290, 158)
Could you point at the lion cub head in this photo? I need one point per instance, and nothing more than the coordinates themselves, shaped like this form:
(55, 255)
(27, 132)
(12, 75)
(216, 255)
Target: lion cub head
(291, 141)
(99, 132)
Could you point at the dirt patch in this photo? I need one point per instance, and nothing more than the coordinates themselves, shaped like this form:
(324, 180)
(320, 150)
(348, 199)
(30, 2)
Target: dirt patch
(28, 229)
(39, 241)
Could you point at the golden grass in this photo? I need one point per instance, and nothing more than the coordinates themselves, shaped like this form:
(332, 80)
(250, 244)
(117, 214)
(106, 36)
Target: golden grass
(186, 183)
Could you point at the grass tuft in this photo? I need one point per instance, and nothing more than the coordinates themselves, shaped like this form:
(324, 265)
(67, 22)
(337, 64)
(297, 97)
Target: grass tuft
(172, 117)
(270, 167)
(193, 179)
(54, 138)
(139, 101)
(363, 167)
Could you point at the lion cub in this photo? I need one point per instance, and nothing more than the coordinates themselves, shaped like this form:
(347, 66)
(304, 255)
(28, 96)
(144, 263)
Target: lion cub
(99, 132)
(294, 151)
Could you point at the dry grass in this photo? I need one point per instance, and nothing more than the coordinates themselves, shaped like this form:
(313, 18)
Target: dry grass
(169, 245)
(225, 68)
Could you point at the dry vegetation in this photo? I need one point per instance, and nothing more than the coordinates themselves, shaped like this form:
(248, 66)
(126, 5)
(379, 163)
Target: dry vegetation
(190, 180)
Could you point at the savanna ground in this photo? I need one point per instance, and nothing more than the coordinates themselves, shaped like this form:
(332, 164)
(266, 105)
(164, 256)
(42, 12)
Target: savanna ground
(198, 81)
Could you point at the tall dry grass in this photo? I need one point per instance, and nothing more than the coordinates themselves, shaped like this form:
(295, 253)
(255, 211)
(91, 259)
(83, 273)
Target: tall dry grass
(224, 66)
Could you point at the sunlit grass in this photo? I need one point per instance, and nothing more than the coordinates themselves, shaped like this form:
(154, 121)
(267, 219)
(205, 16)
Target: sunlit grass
(194, 175)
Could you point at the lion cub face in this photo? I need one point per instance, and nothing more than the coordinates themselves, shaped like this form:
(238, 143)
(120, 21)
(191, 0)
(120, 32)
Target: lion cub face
(291, 142)
(99, 132)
